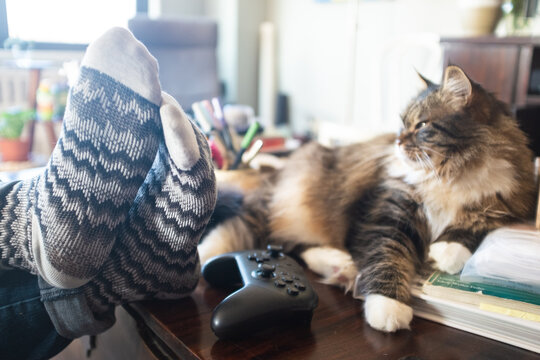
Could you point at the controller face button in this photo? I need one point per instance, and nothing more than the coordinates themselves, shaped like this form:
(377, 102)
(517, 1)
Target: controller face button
(279, 283)
(287, 278)
(292, 291)
(300, 286)
(252, 256)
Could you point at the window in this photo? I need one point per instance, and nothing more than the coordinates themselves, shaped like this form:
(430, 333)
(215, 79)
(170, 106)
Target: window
(64, 24)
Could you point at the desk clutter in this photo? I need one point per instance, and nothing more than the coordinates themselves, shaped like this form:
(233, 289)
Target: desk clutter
(235, 135)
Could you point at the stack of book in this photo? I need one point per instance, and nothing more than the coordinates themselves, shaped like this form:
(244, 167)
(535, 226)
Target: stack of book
(501, 310)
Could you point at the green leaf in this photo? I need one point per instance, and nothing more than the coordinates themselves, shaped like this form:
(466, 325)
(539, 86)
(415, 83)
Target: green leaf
(12, 123)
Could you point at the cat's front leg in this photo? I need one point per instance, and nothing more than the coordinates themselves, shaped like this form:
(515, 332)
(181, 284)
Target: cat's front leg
(337, 268)
(453, 248)
(383, 311)
(387, 268)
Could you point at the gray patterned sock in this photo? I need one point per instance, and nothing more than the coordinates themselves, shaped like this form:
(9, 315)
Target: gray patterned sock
(155, 256)
(62, 223)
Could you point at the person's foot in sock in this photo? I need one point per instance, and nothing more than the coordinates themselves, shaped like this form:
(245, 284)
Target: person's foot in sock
(155, 255)
(62, 223)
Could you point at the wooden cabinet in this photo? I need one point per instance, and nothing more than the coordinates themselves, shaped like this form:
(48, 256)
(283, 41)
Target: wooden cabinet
(509, 67)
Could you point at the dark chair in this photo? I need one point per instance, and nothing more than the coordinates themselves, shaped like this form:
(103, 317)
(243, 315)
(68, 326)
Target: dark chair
(185, 48)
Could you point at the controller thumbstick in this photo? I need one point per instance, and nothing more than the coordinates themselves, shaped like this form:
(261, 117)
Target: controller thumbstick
(266, 270)
(275, 250)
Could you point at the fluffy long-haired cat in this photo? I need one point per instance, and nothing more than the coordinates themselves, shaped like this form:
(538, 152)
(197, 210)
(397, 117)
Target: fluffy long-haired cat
(370, 215)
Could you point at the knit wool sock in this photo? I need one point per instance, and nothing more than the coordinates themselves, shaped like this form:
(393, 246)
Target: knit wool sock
(62, 223)
(156, 256)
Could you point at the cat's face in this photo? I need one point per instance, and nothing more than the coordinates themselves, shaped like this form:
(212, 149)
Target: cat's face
(443, 128)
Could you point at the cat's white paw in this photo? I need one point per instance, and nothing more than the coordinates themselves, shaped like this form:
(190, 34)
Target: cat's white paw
(334, 265)
(386, 314)
(449, 257)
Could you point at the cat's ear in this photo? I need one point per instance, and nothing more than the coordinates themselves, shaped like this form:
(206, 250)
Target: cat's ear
(428, 83)
(457, 85)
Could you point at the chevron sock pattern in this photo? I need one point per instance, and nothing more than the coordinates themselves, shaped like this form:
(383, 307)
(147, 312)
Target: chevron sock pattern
(156, 254)
(62, 224)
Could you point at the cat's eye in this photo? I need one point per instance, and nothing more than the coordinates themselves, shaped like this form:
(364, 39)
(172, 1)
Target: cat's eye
(421, 124)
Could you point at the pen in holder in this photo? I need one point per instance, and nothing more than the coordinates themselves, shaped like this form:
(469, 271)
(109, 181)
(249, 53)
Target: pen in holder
(252, 151)
(246, 141)
(226, 133)
(210, 117)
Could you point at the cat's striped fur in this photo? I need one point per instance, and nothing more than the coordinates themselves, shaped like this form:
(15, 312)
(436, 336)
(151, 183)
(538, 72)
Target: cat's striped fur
(376, 211)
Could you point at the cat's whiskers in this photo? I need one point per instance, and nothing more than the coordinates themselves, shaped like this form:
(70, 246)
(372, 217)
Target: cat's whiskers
(435, 171)
(426, 148)
(430, 167)
(421, 162)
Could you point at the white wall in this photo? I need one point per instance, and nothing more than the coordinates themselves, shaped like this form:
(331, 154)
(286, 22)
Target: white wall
(238, 45)
(251, 13)
(346, 62)
(315, 58)
(353, 62)
(226, 14)
(394, 40)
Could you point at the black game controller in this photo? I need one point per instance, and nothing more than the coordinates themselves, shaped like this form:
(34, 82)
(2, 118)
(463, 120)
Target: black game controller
(274, 291)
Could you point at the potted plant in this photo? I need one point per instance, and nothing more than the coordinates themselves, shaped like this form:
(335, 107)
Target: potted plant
(519, 15)
(13, 147)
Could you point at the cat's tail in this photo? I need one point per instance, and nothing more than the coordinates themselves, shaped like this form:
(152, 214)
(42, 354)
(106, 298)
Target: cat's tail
(229, 204)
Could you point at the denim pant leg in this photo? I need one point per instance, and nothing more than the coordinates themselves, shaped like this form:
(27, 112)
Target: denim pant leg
(69, 312)
(26, 331)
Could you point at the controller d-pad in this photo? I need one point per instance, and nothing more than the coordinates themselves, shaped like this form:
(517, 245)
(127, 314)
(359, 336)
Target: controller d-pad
(264, 271)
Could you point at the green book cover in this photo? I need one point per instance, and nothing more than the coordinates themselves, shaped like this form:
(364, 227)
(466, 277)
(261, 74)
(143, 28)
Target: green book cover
(453, 281)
